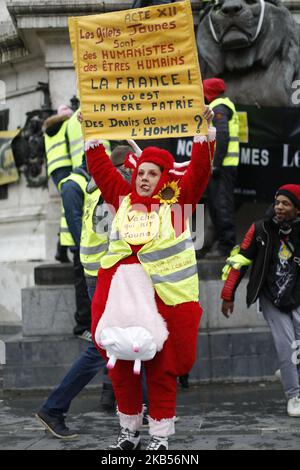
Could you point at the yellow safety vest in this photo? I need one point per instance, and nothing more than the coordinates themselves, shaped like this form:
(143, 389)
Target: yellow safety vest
(76, 142)
(93, 245)
(235, 261)
(65, 236)
(169, 261)
(233, 151)
(56, 150)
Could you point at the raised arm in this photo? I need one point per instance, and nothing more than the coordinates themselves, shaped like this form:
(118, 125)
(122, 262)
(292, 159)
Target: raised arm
(112, 185)
(195, 180)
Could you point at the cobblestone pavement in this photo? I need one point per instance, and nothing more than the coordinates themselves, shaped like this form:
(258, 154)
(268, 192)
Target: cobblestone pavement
(219, 416)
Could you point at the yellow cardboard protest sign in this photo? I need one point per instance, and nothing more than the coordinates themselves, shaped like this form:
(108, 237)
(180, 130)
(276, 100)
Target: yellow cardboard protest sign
(138, 73)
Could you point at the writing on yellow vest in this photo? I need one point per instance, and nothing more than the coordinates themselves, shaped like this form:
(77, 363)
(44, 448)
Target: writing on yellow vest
(169, 260)
(139, 227)
(93, 245)
(232, 156)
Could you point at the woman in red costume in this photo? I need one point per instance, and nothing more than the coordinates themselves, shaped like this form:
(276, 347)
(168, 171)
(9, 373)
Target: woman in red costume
(146, 305)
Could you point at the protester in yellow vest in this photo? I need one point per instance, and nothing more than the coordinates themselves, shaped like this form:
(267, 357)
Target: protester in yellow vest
(59, 164)
(65, 151)
(146, 305)
(220, 191)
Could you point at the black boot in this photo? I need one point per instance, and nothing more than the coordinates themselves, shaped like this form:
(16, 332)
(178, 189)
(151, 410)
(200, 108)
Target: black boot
(184, 381)
(61, 254)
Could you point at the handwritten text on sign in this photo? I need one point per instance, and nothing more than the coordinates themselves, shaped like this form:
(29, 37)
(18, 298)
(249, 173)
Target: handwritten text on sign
(138, 73)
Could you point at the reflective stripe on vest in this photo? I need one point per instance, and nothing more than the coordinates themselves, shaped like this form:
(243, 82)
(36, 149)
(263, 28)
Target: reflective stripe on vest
(65, 236)
(162, 254)
(175, 277)
(93, 245)
(56, 150)
(168, 260)
(232, 156)
(76, 143)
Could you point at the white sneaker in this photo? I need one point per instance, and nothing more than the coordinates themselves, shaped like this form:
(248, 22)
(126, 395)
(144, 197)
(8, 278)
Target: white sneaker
(158, 443)
(293, 407)
(127, 440)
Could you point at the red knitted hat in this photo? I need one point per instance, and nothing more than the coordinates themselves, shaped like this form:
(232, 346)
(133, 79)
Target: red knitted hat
(160, 157)
(212, 88)
(292, 191)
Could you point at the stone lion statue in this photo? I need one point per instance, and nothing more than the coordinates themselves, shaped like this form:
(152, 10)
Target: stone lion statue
(254, 45)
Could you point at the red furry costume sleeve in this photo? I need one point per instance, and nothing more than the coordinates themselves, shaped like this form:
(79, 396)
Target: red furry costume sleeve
(195, 180)
(108, 179)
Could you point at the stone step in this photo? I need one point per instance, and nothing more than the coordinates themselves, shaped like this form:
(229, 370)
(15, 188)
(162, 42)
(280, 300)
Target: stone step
(54, 274)
(39, 362)
(223, 355)
(49, 310)
(10, 328)
(62, 273)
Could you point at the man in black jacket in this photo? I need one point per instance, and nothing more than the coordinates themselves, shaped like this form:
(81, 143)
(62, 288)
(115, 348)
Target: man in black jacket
(220, 190)
(272, 246)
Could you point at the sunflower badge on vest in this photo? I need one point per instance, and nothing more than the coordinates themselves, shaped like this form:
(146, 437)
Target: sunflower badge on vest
(169, 193)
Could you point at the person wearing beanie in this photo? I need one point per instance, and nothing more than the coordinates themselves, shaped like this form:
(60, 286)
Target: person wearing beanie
(220, 191)
(146, 305)
(272, 248)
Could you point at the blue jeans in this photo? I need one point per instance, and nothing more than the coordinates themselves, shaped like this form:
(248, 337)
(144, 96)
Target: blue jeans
(72, 198)
(81, 373)
(83, 370)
